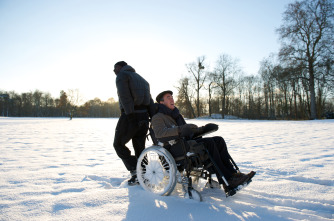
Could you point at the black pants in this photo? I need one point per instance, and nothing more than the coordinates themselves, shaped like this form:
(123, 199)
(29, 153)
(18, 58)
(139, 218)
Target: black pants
(131, 130)
(217, 148)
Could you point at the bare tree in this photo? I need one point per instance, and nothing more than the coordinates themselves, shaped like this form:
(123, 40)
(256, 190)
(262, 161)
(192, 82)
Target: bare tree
(4, 104)
(184, 97)
(47, 101)
(210, 96)
(307, 38)
(224, 76)
(267, 72)
(74, 100)
(197, 71)
(37, 98)
(62, 103)
(238, 96)
(211, 86)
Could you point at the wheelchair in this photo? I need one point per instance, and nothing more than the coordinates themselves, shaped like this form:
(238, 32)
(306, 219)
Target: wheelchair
(158, 171)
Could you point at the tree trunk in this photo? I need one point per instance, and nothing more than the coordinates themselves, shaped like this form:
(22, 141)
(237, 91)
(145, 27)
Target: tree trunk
(313, 110)
(223, 107)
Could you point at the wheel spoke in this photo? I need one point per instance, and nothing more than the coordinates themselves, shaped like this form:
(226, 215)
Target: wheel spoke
(155, 173)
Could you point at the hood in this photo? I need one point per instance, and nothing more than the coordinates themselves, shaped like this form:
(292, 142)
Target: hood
(127, 68)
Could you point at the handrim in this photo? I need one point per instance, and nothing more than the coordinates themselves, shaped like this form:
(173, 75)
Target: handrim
(156, 170)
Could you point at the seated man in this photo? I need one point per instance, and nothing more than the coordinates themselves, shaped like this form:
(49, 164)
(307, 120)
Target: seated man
(169, 123)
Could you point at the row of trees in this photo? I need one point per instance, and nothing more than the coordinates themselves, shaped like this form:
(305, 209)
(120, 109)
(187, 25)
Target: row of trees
(271, 95)
(297, 83)
(40, 104)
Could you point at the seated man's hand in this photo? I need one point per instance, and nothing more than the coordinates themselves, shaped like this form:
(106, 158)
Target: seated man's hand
(210, 127)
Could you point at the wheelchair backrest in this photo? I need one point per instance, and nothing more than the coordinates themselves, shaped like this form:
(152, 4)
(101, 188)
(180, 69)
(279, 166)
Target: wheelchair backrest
(154, 107)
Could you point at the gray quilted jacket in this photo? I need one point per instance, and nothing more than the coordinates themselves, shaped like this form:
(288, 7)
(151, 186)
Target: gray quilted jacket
(165, 126)
(132, 89)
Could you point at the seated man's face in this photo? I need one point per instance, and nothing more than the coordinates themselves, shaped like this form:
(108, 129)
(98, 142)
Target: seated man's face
(168, 101)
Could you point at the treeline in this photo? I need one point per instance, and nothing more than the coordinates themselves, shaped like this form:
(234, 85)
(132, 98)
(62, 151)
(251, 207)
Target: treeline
(295, 83)
(271, 95)
(41, 104)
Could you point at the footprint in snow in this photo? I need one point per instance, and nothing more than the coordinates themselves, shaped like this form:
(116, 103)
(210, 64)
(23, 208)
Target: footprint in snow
(107, 183)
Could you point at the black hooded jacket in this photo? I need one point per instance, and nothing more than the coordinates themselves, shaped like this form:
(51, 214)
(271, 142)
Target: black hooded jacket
(132, 89)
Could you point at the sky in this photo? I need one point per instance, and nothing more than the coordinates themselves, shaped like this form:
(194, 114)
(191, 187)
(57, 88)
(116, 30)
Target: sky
(73, 44)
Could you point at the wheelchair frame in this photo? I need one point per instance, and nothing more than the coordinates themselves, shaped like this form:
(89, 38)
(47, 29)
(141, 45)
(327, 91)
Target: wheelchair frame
(158, 172)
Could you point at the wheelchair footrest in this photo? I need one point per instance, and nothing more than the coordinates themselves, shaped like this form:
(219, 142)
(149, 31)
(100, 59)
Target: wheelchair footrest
(233, 191)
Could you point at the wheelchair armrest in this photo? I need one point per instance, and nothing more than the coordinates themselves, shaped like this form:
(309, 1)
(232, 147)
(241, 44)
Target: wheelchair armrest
(196, 136)
(169, 140)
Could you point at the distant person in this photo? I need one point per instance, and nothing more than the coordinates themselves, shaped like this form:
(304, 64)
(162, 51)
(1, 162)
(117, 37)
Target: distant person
(169, 123)
(134, 99)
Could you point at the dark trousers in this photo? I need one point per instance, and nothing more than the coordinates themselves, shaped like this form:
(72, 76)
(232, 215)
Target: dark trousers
(131, 130)
(217, 148)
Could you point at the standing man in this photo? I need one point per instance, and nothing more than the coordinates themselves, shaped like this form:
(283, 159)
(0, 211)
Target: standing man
(134, 100)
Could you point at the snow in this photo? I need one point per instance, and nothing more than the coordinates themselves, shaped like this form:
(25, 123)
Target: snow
(57, 169)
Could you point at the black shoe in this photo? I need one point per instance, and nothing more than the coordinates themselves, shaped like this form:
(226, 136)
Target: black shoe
(133, 181)
(236, 180)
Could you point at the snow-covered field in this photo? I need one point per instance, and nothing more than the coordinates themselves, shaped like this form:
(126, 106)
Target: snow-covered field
(56, 169)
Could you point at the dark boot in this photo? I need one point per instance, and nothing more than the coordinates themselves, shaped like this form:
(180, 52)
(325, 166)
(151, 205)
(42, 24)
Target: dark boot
(237, 179)
(251, 174)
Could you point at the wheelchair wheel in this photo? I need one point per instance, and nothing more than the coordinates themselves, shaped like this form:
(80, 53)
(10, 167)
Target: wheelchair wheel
(156, 170)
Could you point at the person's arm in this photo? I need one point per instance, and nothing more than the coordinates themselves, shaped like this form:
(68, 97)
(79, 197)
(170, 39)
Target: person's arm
(208, 128)
(161, 130)
(124, 94)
